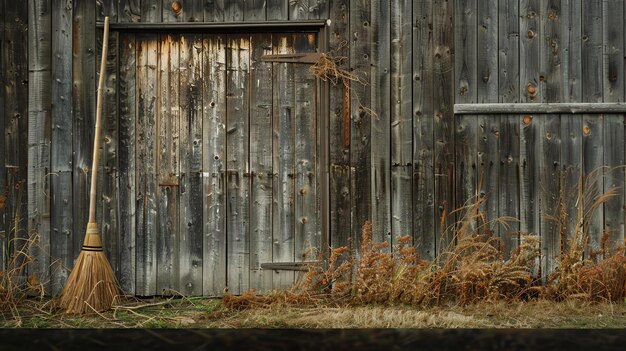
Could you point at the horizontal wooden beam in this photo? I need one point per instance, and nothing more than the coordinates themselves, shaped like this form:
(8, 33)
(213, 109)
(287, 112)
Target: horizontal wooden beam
(266, 26)
(291, 266)
(530, 108)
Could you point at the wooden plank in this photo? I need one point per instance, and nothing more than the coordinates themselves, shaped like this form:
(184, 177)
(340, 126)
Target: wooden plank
(237, 168)
(319, 9)
(307, 237)
(61, 148)
(3, 185)
(571, 126)
(152, 11)
(109, 226)
(529, 92)
(191, 214)
(174, 11)
(214, 136)
(108, 8)
(339, 130)
(129, 11)
(443, 100)
(214, 11)
(83, 99)
(15, 127)
(401, 118)
(509, 157)
(466, 91)
(233, 10)
(550, 140)
(423, 132)
(277, 10)
(300, 9)
(39, 134)
(254, 10)
(488, 128)
(283, 161)
(146, 81)
(592, 91)
(260, 162)
(613, 86)
(379, 91)
(194, 11)
(127, 163)
(541, 108)
(360, 128)
(168, 146)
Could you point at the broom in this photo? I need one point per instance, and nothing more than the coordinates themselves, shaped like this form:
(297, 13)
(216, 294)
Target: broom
(92, 285)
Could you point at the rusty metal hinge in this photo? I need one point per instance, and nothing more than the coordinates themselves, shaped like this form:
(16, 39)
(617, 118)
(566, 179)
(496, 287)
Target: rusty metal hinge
(310, 57)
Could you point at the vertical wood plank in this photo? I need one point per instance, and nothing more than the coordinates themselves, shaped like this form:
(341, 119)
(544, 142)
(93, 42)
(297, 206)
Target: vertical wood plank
(592, 91)
(529, 92)
(319, 9)
(83, 99)
(361, 120)
(129, 11)
(237, 168)
(307, 238)
(299, 9)
(214, 137)
(254, 10)
(443, 100)
(146, 260)
(550, 154)
(127, 162)
(508, 87)
(283, 161)
(151, 11)
(381, 143)
(61, 147)
(339, 133)
(613, 86)
(487, 91)
(168, 146)
(194, 11)
(260, 162)
(191, 214)
(466, 91)
(233, 10)
(401, 118)
(175, 10)
(423, 131)
(3, 186)
(571, 125)
(109, 228)
(39, 134)
(214, 10)
(277, 10)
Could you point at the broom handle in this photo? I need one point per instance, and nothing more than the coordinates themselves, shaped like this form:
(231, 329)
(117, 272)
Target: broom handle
(96, 141)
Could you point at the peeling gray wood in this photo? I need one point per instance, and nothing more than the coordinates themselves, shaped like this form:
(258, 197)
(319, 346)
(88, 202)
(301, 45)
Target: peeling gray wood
(300, 9)
(423, 133)
(151, 11)
(283, 161)
(613, 86)
(307, 238)
(381, 143)
(237, 168)
(214, 165)
(277, 10)
(168, 153)
(62, 254)
(254, 10)
(509, 156)
(129, 11)
(233, 10)
(127, 163)
(541, 108)
(191, 213)
(214, 10)
(146, 260)
(260, 162)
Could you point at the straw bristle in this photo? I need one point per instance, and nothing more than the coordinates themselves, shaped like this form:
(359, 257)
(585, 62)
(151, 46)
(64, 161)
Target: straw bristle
(91, 287)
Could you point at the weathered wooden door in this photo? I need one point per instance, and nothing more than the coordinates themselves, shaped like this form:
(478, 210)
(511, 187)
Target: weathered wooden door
(218, 159)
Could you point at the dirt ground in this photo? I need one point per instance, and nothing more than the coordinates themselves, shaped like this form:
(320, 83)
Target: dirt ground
(211, 313)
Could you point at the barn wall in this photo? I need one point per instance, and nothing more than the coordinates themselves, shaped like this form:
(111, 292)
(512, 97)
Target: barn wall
(398, 155)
